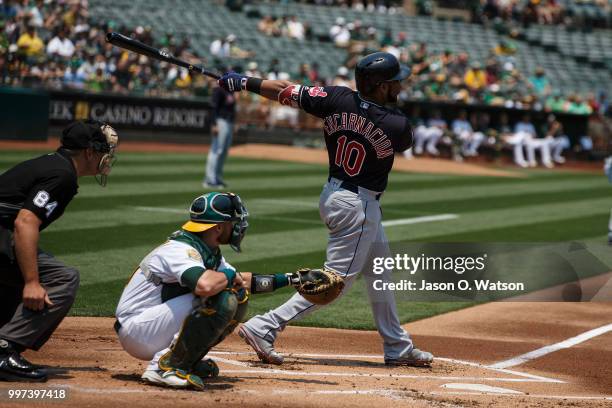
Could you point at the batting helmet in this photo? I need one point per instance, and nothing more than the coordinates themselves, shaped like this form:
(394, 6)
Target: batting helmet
(378, 67)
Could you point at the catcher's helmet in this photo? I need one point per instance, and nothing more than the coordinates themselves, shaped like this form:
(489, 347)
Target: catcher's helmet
(378, 67)
(213, 208)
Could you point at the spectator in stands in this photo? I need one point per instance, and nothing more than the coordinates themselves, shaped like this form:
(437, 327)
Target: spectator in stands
(540, 83)
(436, 88)
(9, 9)
(549, 12)
(60, 46)
(505, 48)
(235, 51)
(284, 113)
(4, 42)
(419, 58)
(220, 48)
(33, 13)
(475, 78)
(295, 29)
(223, 115)
(30, 44)
(555, 103)
(576, 105)
(492, 71)
(339, 33)
(269, 26)
(459, 65)
(470, 140)
(342, 78)
(387, 38)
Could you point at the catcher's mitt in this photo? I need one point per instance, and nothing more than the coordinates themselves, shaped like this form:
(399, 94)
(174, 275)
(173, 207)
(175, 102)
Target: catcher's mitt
(318, 286)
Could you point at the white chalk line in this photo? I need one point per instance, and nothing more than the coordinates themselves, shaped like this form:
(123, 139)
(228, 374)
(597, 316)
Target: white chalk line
(388, 223)
(487, 389)
(254, 369)
(418, 220)
(543, 396)
(184, 212)
(523, 358)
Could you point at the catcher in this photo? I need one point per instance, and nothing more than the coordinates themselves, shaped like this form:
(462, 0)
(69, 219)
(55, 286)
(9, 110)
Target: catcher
(184, 298)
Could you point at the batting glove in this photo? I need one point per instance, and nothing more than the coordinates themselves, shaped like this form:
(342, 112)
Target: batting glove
(232, 82)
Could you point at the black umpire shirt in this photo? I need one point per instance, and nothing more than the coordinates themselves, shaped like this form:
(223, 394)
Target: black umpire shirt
(361, 136)
(44, 185)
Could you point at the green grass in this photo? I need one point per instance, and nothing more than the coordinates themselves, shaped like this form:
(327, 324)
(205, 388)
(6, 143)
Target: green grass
(106, 232)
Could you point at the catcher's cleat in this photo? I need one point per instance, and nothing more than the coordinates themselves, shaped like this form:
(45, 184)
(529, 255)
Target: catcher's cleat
(414, 358)
(206, 369)
(173, 379)
(263, 348)
(164, 378)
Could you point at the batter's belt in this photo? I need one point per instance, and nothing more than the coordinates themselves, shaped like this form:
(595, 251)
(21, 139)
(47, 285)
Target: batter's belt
(353, 188)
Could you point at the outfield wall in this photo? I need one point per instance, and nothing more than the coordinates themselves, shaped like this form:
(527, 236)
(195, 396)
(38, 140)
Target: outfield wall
(29, 114)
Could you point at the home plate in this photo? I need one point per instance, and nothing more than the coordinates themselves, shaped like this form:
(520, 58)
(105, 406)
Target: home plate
(480, 388)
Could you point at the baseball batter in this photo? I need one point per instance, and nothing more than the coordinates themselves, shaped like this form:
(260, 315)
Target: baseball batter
(362, 136)
(184, 297)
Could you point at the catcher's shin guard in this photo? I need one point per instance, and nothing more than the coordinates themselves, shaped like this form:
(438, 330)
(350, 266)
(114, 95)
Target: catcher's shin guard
(204, 327)
(242, 297)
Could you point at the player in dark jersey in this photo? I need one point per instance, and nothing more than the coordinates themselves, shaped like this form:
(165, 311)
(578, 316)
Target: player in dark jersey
(37, 290)
(362, 135)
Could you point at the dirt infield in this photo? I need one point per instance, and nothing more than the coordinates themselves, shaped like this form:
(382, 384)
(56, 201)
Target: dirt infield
(342, 368)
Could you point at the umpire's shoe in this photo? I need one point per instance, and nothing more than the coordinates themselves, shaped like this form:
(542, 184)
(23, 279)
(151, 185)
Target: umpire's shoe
(414, 358)
(263, 348)
(13, 367)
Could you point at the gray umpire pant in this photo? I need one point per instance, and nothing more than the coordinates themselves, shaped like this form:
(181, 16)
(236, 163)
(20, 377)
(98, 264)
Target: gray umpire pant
(24, 327)
(355, 236)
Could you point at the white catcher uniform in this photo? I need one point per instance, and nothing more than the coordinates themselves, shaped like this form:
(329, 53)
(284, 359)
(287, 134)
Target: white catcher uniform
(154, 303)
(361, 139)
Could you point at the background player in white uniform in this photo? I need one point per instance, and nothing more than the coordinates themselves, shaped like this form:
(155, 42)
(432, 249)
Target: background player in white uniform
(362, 137)
(430, 135)
(184, 298)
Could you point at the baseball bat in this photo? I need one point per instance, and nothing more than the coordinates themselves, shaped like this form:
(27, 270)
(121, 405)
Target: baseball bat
(136, 46)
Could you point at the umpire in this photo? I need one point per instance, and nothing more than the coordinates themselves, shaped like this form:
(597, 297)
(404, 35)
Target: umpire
(37, 290)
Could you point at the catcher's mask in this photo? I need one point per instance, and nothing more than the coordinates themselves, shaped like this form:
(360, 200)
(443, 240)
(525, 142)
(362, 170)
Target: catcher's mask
(98, 136)
(211, 209)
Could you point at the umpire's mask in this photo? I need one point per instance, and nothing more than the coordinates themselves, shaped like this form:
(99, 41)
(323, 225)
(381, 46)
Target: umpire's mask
(108, 160)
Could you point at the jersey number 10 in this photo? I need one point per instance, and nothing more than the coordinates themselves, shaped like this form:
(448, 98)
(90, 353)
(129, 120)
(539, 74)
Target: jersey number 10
(350, 156)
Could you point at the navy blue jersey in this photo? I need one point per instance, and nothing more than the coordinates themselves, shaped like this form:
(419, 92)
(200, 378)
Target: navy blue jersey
(361, 136)
(44, 185)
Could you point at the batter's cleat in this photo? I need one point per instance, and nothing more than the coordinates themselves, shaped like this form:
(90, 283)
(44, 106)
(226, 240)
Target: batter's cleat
(414, 358)
(206, 369)
(14, 367)
(173, 379)
(263, 348)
